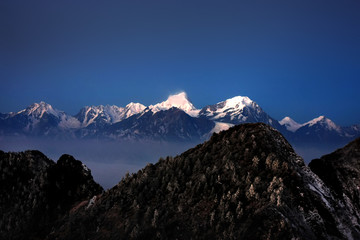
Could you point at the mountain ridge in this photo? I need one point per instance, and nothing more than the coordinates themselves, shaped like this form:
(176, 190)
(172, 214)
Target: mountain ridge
(246, 182)
(36, 192)
(41, 119)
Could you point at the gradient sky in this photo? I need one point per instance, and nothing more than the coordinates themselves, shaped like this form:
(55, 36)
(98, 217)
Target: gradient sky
(296, 58)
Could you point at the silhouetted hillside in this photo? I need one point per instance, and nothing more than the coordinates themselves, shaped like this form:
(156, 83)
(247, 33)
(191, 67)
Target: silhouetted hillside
(340, 171)
(245, 183)
(36, 192)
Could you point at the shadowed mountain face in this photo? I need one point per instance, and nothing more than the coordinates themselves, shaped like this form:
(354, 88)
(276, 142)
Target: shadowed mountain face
(36, 192)
(340, 171)
(172, 125)
(244, 183)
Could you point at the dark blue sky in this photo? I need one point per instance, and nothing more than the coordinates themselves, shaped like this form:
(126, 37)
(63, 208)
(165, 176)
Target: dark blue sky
(296, 58)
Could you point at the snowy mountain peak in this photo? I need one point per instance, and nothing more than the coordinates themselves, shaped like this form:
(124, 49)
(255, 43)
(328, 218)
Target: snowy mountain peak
(290, 124)
(238, 102)
(316, 120)
(37, 110)
(180, 101)
(41, 105)
(325, 122)
(235, 110)
(135, 107)
(132, 109)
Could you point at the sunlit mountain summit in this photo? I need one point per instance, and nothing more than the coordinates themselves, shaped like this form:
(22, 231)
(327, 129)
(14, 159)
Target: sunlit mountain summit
(179, 101)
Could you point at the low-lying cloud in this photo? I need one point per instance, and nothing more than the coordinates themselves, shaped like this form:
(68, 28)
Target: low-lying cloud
(108, 160)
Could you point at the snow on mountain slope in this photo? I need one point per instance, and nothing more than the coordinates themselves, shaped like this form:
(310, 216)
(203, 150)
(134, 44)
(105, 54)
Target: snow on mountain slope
(91, 114)
(231, 110)
(107, 114)
(323, 122)
(290, 124)
(170, 125)
(321, 131)
(132, 109)
(237, 102)
(41, 119)
(37, 111)
(352, 131)
(38, 119)
(238, 110)
(180, 101)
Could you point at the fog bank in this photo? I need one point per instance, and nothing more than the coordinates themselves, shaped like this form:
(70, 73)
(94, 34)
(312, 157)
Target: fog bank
(108, 160)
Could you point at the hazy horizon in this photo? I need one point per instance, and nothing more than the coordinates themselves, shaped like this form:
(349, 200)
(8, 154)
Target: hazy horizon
(108, 160)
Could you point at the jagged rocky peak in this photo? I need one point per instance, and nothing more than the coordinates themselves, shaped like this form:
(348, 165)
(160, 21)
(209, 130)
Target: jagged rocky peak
(244, 183)
(36, 192)
(38, 109)
(180, 101)
(92, 114)
(108, 114)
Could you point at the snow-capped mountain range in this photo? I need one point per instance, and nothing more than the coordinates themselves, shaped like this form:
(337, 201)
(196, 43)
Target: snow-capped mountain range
(324, 122)
(319, 130)
(104, 115)
(173, 119)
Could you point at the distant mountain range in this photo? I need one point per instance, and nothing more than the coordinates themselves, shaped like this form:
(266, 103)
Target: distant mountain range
(175, 119)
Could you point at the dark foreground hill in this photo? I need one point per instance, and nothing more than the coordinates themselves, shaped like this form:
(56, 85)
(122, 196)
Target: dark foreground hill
(340, 171)
(244, 183)
(36, 192)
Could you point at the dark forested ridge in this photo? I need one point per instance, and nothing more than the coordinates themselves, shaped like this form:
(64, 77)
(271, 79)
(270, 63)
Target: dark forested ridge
(36, 192)
(244, 183)
(340, 171)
